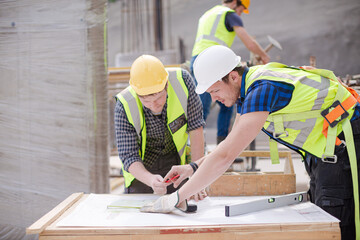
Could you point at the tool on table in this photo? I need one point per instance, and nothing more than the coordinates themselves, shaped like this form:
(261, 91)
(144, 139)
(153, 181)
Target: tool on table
(267, 203)
(116, 207)
(169, 180)
(128, 204)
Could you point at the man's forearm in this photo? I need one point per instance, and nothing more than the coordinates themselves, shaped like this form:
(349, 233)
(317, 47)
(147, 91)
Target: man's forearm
(138, 170)
(197, 143)
(250, 43)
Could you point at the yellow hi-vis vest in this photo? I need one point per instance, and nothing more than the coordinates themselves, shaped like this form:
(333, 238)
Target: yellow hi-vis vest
(212, 30)
(177, 97)
(300, 123)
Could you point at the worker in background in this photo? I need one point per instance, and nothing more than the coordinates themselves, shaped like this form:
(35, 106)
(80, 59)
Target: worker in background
(153, 118)
(307, 110)
(219, 26)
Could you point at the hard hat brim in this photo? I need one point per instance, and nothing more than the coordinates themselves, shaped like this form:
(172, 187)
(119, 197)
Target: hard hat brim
(201, 88)
(152, 89)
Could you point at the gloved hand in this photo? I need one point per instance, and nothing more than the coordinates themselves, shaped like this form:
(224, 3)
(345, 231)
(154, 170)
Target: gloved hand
(165, 204)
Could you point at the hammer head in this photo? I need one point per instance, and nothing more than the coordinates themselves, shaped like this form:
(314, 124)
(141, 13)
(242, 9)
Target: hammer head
(274, 42)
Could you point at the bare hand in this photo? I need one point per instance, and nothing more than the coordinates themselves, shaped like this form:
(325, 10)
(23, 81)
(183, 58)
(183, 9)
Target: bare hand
(158, 185)
(184, 171)
(265, 59)
(307, 67)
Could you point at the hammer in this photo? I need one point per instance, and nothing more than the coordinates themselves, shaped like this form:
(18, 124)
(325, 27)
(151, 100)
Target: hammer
(273, 42)
(255, 59)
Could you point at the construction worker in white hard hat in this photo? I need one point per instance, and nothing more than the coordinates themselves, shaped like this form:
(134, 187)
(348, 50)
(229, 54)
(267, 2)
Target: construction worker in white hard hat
(219, 26)
(153, 118)
(308, 110)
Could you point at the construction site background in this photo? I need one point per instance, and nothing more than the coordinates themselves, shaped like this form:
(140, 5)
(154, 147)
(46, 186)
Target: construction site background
(324, 33)
(55, 99)
(326, 29)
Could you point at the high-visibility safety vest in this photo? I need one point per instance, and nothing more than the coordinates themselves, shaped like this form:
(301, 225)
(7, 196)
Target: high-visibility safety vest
(177, 98)
(212, 30)
(319, 110)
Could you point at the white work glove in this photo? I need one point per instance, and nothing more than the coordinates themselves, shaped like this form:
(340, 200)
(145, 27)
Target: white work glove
(165, 204)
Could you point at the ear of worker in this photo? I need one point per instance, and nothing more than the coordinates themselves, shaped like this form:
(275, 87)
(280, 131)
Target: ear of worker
(167, 204)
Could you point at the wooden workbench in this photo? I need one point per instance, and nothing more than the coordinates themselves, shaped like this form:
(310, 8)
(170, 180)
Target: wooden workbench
(47, 227)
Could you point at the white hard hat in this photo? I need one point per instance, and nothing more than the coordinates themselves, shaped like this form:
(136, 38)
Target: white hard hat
(212, 65)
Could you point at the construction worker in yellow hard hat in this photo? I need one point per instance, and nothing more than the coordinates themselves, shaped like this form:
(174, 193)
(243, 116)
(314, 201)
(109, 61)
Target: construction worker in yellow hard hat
(245, 4)
(307, 110)
(154, 117)
(219, 26)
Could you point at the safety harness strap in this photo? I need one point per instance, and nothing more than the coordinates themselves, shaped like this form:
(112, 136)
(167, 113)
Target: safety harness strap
(332, 132)
(336, 113)
(274, 152)
(280, 132)
(333, 115)
(288, 117)
(349, 138)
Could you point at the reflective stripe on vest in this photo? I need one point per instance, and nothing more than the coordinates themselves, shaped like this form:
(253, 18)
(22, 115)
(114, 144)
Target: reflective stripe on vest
(177, 95)
(312, 94)
(212, 30)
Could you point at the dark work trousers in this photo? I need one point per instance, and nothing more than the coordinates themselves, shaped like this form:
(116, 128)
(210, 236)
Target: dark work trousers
(331, 185)
(161, 166)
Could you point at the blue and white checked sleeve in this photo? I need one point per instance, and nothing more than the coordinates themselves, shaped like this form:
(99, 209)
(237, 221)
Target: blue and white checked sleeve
(126, 137)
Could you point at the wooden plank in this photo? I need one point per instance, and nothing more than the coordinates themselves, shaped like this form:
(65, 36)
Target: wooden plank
(312, 235)
(326, 230)
(271, 227)
(116, 182)
(255, 184)
(265, 231)
(289, 166)
(51, 216)
(122, 74)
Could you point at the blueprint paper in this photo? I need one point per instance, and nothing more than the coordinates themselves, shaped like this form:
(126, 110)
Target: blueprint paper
(93, 212)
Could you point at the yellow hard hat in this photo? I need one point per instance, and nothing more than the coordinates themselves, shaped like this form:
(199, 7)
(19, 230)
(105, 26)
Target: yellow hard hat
(246, 4)
(148, 75)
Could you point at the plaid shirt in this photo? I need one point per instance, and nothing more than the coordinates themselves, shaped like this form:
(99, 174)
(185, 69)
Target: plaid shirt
(158, 137)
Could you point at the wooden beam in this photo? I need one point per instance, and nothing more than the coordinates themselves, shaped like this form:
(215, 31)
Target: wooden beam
(51, 216)
(256, 183)
(248, 231)
(122, 74)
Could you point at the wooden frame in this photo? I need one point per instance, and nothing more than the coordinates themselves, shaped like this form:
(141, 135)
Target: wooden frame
(47, 229)
(256, 183)
(122, 74)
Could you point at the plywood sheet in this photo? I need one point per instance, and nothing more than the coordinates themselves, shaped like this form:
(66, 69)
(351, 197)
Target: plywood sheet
(93, 212)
